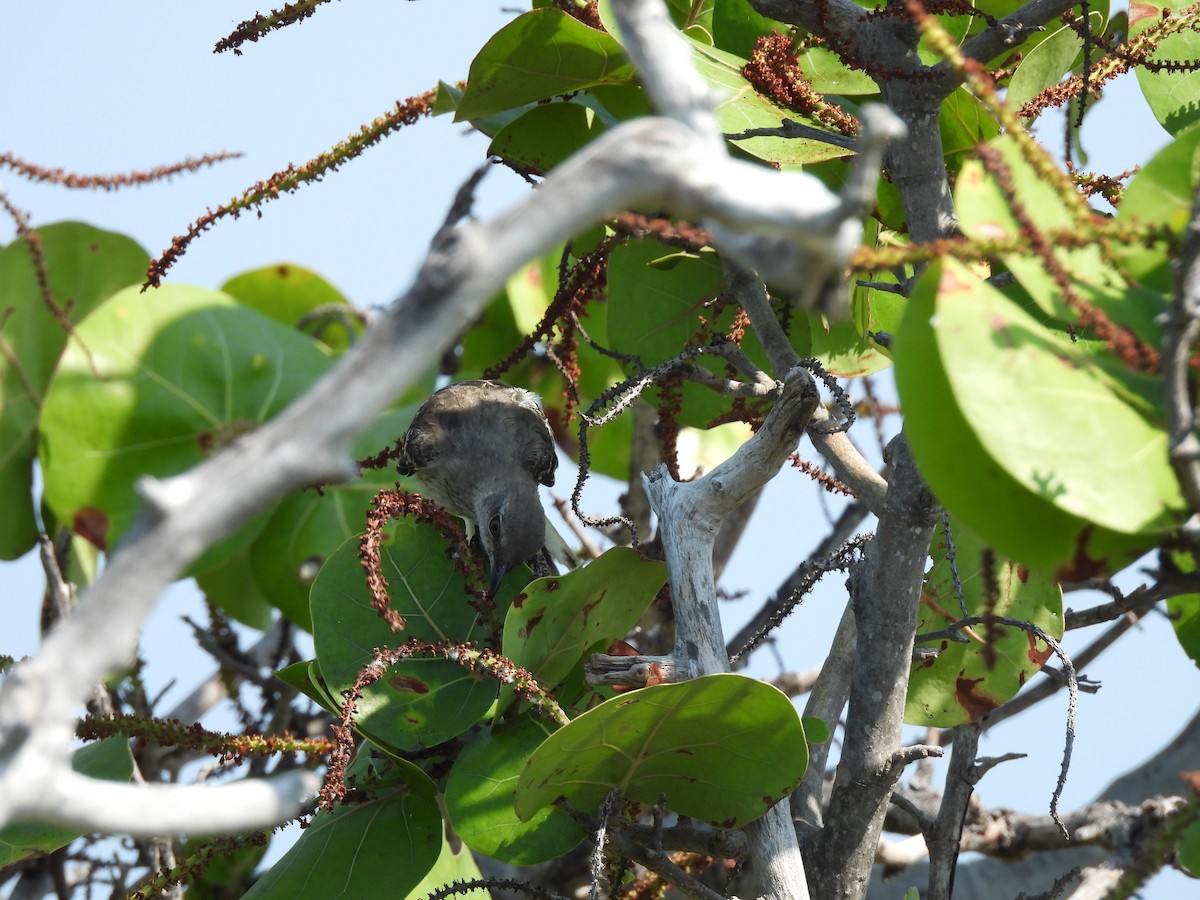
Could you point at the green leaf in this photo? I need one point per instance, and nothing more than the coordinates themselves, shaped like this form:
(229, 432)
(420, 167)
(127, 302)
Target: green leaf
(654, 312)
(307, 527)
(737, 25)
(744, 108)
(673, 739)
(986, 213)
(1184, 610)
(969, 680)
(169, 378)
(550, 627)
(419, 702)
(1173, 97)
(1187, 851)
(289, 293)
(305, 676)
(964, 122)
(382, 846)
(815, 730)
(546, 135)
(452, 865)
(1161, 194)
(1019, 435)
(1045, 65)
(84, 266)
(827, 74)
(538, 55)
(479, 798)
(108, 759)
(231, 587)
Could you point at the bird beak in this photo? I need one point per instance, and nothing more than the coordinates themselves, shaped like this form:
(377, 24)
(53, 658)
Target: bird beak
(498, 573)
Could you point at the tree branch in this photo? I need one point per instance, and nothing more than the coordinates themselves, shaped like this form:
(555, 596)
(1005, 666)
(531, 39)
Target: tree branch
(885, 593)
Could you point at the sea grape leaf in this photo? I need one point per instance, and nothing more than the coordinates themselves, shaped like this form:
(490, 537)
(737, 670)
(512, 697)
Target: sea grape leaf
(538, 55)
(83, 267)
(479, 797)
(1020, 435)
(672, 739)
(555, 620)
(545, 135)
(168, 378)
(1173, 97)
(419, 702)
(1161, 194)
(289, 293)
(383, 845)
(968, 680)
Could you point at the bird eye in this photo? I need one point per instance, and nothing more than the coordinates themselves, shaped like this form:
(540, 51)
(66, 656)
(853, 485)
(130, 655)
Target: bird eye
(494, 527)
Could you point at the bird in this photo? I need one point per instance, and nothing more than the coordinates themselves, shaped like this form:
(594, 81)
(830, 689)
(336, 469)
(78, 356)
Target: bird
(480, 449)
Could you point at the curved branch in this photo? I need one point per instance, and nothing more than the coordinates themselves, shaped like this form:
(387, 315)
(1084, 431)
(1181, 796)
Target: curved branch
(151, 810)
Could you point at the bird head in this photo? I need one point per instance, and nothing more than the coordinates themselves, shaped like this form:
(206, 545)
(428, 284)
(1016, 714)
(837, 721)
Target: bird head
(512, 527)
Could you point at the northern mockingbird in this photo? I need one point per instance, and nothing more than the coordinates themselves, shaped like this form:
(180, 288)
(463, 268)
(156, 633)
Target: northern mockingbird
(480, 449)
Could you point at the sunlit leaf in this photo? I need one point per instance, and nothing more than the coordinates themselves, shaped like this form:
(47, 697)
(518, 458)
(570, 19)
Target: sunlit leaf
(1018, 433)
(84, 266)
(722, 748)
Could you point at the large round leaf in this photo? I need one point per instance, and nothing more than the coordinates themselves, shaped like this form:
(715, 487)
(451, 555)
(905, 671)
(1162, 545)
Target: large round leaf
(83, 266)
(1161, 194)
(538, 55)
(557, 619)
(308, 526)
(546, 135)
(380, 847)
(722, 748)
(479, 798)
(985, 209)
(968, 680)
(289, 293)
(1173, 97)
(657, 299)
(1022, 437)
(419, 702)
(167, 378)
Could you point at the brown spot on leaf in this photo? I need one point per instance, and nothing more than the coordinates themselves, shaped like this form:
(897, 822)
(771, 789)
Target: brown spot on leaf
(520, 600)
(1038, 652)
(1082, 566)
(951, 283)
(1139, 11)
(92, 525)
(684, 751)
(283, 270)
(975, 704)
(532, 624)
(1022, 573)
(588, 607)
(408, 685)
(552, 585)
